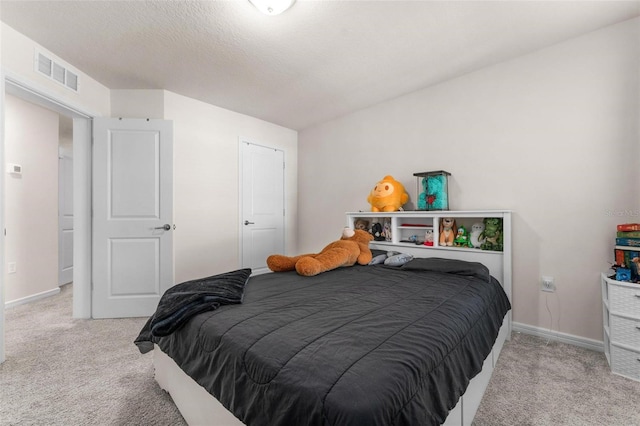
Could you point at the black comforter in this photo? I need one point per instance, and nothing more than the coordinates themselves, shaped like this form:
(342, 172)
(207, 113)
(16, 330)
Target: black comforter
(364, 345)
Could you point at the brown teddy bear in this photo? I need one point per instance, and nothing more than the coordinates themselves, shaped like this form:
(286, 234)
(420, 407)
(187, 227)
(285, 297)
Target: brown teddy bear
(352, 247)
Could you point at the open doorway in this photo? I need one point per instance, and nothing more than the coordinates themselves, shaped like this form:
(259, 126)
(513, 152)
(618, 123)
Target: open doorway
(12, 85)
(31, 201)
(38, 212)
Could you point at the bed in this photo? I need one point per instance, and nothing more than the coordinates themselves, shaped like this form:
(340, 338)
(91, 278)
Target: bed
(363, 345)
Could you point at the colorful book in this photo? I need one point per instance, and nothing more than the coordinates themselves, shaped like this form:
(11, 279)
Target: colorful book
(628, 234)
(624, 227)
(629, 242)
(623, 255)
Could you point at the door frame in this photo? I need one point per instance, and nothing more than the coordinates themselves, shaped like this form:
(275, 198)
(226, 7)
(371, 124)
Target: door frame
(241, 226)
(63, 185)
(22, 88)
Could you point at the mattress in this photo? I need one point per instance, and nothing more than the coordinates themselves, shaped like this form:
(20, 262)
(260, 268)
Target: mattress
(363, 345)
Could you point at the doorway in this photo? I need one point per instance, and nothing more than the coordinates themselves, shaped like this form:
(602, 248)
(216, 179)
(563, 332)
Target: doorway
(24, 90)
(32, 195)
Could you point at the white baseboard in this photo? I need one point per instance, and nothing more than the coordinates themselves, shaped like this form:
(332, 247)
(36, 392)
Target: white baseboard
(32, 298)
(557, 336)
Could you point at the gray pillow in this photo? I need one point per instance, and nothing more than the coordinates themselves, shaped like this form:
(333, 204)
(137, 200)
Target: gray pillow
(398, 259)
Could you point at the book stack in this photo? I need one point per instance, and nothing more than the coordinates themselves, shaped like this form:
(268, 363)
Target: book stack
(627, 248)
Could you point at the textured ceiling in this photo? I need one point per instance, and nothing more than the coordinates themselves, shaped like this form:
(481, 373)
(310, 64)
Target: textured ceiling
(317, 61)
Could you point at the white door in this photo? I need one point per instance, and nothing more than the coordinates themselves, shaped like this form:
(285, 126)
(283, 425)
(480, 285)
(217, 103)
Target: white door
(65, 219)
(132, 248)
(262, 205)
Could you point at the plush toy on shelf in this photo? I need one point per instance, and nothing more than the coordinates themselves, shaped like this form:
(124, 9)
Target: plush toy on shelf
(386, 229)
(388, 195)
(351, 248)
(492, 234)
(361, 224)
(376, 231)
(476, 234)
(448, 231)
(462, 238)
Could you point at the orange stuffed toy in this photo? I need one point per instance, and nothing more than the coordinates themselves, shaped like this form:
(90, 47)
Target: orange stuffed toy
(351, 248)
(388, 195)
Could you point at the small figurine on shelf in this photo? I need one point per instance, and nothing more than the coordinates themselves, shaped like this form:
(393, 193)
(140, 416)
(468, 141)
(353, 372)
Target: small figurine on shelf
(447, 231)
(386, 229)
(476, 231)
(462, 238)
(428, 237)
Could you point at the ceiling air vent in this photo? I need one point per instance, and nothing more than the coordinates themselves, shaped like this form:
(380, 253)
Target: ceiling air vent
(56, 71)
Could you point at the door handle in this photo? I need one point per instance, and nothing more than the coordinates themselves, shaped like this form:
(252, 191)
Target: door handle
(166, 227)
(246, 222)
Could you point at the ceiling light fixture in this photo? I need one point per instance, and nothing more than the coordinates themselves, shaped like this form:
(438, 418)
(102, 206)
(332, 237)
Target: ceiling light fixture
(272, 7)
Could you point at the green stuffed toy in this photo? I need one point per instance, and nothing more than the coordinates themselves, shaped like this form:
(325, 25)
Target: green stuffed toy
(462, 238)
(492, 234)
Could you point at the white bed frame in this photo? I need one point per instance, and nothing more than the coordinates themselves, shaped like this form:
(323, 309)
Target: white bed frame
(200, 408)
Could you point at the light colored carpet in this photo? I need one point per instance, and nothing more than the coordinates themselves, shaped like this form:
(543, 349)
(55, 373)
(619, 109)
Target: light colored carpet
(542, 383)
(62, 371)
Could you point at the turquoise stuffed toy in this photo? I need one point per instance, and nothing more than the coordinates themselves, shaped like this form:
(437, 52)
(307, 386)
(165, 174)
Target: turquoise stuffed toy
(433, 195)
(436, 195)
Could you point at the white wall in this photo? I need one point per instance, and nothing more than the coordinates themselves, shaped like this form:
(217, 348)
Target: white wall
(137, 103)
(206, 190)
(18, 53)
(31, 200)
(552, 135)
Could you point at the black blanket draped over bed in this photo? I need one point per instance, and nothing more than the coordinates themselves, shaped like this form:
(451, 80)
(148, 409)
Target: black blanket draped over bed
(364, 345)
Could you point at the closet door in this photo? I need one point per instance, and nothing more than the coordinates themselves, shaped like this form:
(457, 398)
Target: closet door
(262, 205)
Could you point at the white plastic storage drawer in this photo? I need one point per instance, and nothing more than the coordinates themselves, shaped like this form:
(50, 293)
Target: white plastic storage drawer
(625, 362)
(625, 330)
(624, 300)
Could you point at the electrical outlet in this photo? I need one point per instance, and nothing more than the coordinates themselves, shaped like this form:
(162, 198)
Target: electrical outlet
(11, 268)
(547, 284)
